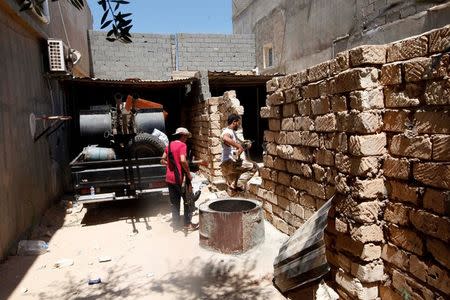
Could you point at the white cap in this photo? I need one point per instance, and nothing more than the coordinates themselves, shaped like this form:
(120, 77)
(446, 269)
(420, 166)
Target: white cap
(183, 131)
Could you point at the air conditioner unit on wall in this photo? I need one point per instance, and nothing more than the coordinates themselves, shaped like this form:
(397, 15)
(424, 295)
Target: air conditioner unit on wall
(56, 56)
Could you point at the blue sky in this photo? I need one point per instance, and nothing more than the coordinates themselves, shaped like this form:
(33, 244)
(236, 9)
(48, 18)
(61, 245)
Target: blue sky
(174, 16)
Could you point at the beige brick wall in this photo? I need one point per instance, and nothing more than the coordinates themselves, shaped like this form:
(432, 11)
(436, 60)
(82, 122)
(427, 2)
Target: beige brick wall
(372, 126)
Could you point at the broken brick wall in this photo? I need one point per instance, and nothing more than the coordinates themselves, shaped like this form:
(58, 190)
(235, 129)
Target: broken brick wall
(205, 120)
(372, 126)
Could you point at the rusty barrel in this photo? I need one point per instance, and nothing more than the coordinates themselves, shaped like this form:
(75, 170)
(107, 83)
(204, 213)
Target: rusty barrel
(231, 225)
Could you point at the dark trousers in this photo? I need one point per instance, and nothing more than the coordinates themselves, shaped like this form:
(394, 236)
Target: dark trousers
(175, 194)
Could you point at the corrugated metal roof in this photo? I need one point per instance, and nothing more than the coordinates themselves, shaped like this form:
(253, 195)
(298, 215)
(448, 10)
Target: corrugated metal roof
(133, 82)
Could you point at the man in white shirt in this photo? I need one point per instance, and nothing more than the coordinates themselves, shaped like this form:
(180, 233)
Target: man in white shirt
(232, 165)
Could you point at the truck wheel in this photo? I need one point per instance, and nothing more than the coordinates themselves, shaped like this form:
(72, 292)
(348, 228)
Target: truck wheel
(146, 145)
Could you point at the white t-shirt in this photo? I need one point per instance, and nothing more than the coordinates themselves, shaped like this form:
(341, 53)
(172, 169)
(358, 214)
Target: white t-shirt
(228, 151)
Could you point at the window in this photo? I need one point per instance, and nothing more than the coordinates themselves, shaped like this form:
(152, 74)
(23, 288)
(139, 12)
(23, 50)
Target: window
(268, 56)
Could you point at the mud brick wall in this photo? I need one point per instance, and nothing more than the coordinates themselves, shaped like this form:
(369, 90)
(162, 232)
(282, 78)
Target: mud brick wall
(371, 126)
(206, 120)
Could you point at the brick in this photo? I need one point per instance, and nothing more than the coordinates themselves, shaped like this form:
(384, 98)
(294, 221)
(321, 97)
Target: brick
(311, 187)
(355, 79)
(281, 138)
(408, 286)
(302, 154)
(407, 49)
(267, 195)
(285, 82)
(276, 98)
(355, 288)
(397, 213)
(439, 279)
(319, 71)
(441, 147)
(324, 157)
(418, 268)
(433, 122)
(395, 120)
(287, 124)
(370, 272)
(264, 112)
(304, 107)
(397, 97)
(368, 55)
(370, 189)
(406, 239)
(310, 91)
(366, 212)
(395, 256)
(403, 192)
(432, 174)
(340, 63)
(320, 106)
(440, 251)
(416, 147)
(419, 69)
(280, 224)
(274, 125)
(271, 149)
(307, 201)
(283, 202)
(298, 79)
(297, 210)
(439, 39)
(396, 168)
(284, 178)
(438, 201)
(367, 233)
(339, 103)
(357, 166)
(336, 141)
(292, 95)
(374, 144)
(304, 138)
(366, 122)
(431, 224)
(391, 74)
(279, 164)
(299, 168)
(437, 92)
(289, 110)
(387, 293)
(303, 123)
(319, 172)
(367, 99)
(326, 123)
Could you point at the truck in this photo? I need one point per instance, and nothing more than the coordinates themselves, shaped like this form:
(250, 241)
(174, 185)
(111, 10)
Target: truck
(122, 158)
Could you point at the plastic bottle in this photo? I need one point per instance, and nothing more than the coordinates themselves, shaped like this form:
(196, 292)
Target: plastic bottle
(32, 247)
(92, 189)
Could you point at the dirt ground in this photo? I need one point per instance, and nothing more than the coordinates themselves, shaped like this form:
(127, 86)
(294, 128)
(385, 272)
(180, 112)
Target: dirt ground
(154, 263)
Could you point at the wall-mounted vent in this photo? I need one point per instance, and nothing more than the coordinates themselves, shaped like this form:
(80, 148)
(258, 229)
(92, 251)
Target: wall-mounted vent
(56, 56)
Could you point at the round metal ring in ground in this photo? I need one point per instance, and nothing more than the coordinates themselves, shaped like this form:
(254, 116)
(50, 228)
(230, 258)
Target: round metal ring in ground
(231, 225)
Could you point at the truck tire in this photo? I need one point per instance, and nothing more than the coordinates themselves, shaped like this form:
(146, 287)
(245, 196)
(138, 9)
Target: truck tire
(146, 145)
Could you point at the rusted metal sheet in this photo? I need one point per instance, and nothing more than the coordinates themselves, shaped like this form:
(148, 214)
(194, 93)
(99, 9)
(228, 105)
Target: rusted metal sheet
(231, 225)
(302, 258)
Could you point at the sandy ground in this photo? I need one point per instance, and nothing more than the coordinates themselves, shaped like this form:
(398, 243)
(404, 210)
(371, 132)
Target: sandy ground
(155, 263)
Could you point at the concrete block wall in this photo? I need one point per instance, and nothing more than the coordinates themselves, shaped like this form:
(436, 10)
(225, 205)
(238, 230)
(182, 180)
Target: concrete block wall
(155, 56)
(150, 57)
(371, 126)
(216, 52)
(206, 121)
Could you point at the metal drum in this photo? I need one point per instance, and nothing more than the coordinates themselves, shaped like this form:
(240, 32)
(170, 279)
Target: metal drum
(231, 225)
(94, 123)
(147, 120)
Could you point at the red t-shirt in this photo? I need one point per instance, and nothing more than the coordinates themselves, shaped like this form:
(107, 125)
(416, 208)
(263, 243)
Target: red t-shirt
(177, 148)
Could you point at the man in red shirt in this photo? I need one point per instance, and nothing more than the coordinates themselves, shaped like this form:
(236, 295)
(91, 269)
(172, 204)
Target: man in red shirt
(175, 158)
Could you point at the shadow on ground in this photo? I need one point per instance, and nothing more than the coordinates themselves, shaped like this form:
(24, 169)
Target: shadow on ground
(200, 280)
(133, 211)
